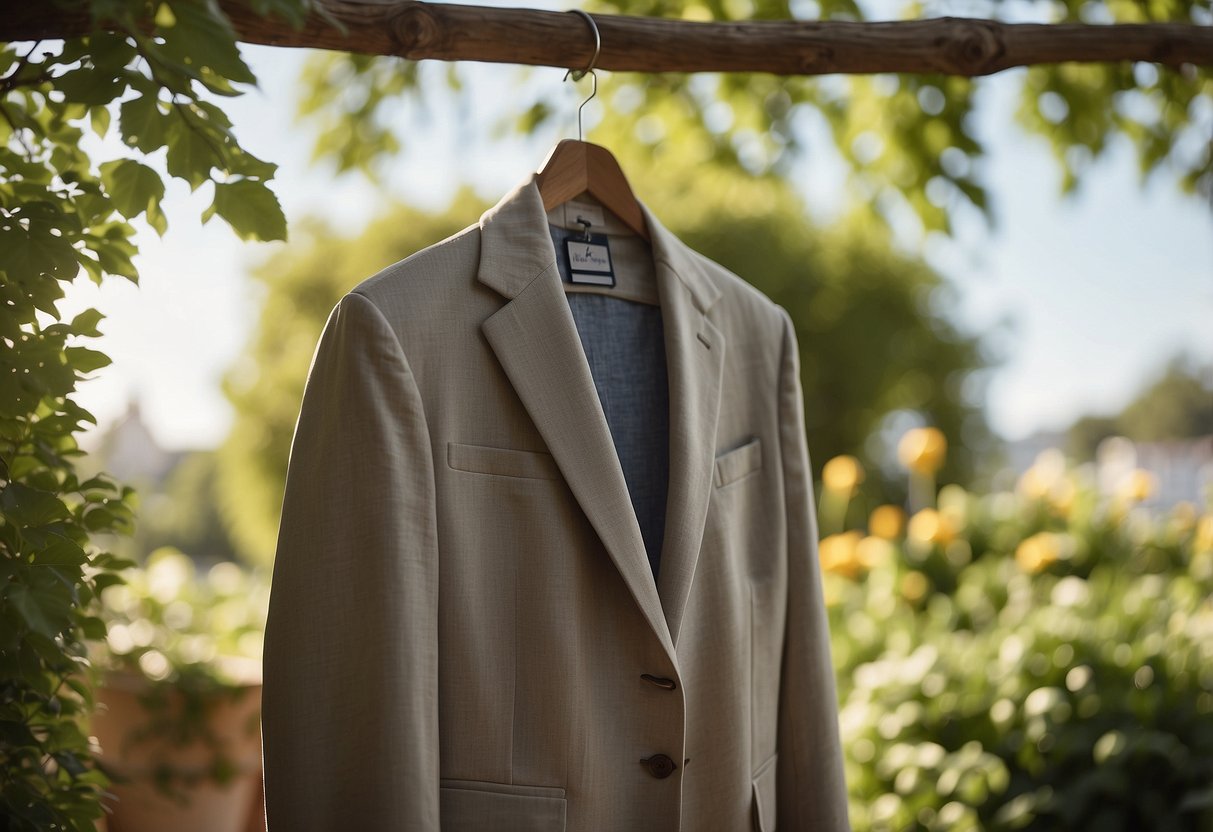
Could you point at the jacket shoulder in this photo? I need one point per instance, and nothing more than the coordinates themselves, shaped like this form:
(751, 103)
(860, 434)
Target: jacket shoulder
(746, 305)
(423, 272)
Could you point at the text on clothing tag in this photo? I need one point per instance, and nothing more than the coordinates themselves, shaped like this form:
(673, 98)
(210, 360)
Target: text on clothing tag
(590, 259)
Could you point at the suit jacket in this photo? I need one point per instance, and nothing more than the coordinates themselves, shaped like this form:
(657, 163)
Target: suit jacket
(464, 629)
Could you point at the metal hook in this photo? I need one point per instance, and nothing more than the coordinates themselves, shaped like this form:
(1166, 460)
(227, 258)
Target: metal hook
(578, 74)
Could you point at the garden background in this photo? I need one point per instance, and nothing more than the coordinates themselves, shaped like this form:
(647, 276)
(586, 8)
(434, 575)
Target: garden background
(978, 270)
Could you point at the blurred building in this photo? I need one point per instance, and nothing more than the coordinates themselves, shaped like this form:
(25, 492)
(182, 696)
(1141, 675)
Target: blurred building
(129, 452)
(1178, 470)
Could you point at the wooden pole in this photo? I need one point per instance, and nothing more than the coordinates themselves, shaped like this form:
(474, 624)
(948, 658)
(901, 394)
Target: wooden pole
(419, 31)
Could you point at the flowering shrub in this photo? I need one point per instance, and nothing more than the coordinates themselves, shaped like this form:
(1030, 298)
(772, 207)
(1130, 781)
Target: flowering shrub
(173, 625)
(1036, 659)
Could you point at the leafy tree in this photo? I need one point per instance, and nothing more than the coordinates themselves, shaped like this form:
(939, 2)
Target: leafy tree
(1177, 405)
(907, 140)
(63, 212)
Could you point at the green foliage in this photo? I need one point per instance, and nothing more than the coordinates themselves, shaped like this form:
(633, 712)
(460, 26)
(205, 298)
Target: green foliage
(172, 624)
(907, 141)
(1178, 405)
(302, 285)
(62, 212)
(1037, 659)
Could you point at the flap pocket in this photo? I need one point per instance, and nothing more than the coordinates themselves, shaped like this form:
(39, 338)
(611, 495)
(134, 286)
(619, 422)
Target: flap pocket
(479, 806)
(764, 796)
(735, 464)
(504, 462)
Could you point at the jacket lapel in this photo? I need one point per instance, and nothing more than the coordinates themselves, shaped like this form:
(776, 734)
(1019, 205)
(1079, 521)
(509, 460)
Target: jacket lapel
(694, 363)
(535, 339)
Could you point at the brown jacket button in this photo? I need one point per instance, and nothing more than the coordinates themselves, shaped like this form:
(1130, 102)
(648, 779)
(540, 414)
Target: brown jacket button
(659, 765)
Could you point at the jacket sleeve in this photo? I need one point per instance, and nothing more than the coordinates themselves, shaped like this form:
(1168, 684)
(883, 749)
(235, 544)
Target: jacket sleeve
(349, 707)
(810, 786)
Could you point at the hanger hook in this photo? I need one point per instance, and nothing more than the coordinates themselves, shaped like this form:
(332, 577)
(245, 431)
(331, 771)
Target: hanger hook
(578, 74)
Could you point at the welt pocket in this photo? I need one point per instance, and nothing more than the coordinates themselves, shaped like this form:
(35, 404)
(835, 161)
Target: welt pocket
(734, 464)
(503, 462)
(481, 806)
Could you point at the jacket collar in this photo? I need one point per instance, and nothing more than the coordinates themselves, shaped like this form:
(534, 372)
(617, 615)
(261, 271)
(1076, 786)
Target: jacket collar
(535, 338)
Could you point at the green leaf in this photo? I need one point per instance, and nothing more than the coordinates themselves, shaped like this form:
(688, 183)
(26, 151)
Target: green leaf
(250, 208)
(156, 218)
(142, 124)
(99, 117)
(86, 323)
(93, 628)
(90, 86)
(191, 152)
(24, 601)
(85, 360)
(26, 254)
(61, 552)
(132, 186)
(201, 36)
(25, 506)
(110, 51)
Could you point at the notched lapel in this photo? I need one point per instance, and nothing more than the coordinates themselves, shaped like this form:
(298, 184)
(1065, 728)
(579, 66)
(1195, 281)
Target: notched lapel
(535, 339)
(695, 351)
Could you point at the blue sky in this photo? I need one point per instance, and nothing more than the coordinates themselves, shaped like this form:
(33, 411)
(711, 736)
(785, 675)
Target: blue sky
(1097, 290)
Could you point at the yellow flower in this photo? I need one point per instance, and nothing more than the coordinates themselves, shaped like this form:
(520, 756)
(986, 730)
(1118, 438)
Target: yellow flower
(1046, 474)
(929, 526)
(913, 586)
(839, 554)
(1204, 534)
(1061, 497)
(1038, 551)
(922, 450)
(1138, 486)
(887, 521)
(842, 474)
(872, 551)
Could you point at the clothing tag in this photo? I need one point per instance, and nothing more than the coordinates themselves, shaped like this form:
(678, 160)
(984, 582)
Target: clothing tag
(590, 259)
(590, 213)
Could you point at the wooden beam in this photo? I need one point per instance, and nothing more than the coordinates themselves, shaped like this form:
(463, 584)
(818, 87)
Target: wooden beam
(420, 31)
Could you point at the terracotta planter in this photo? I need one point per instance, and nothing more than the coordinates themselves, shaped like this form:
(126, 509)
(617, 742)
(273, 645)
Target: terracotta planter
(133, 752)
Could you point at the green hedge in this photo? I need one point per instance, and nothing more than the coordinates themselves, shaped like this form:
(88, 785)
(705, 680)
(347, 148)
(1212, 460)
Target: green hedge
(1038, 659)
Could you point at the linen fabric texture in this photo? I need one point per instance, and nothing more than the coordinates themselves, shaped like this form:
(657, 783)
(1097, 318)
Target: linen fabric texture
(465, 630)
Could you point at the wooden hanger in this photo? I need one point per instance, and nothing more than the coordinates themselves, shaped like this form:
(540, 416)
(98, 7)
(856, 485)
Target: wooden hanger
(577, 167)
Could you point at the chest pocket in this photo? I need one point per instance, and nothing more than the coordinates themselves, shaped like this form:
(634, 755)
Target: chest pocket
(502, 462)
(735, 464)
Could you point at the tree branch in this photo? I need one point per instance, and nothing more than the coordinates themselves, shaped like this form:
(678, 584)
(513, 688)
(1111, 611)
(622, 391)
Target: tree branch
(418, 31)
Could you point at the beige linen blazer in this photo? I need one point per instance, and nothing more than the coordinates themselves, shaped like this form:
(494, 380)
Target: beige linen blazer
(464, 630)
